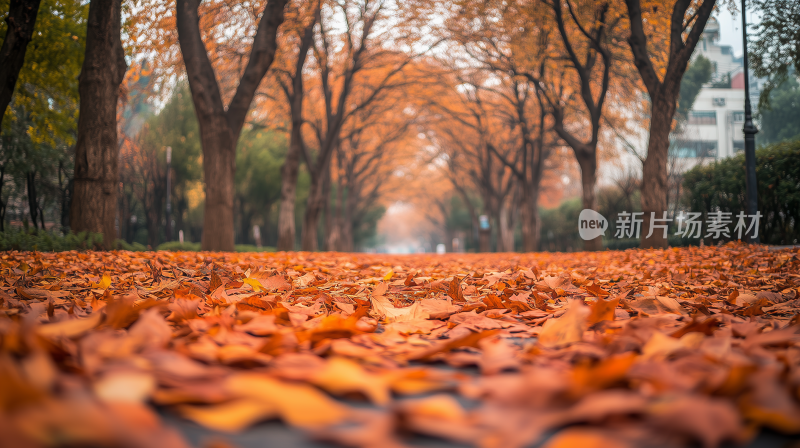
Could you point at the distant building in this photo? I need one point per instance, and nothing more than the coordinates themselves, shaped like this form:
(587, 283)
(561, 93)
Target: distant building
(714, 126)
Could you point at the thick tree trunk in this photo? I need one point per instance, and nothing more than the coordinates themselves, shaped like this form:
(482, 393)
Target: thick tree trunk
(219, 168)
(220, 127)
(314, 206)
(505, 230)
(2, 203)
(334, 221)
(529, 217)
(587, 160)
(654, 174)
(20, 22)
(153, 215)
(349, 222)
(246, 228)
(663, 95)
(94, 200)
(286, 222)
(33, 203)
(286, 226)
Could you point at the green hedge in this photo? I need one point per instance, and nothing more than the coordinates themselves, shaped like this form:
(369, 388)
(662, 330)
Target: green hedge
(45, 241)
(195, 247)
(721, 186)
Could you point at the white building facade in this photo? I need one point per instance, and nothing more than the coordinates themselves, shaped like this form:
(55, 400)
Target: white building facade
(714, 126)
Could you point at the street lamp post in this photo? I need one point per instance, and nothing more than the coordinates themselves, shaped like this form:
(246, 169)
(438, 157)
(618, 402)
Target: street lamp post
(168, 232)
(750, 132)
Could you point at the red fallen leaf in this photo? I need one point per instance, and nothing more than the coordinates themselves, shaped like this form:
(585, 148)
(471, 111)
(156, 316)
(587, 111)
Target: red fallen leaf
(540, 300)
(596, 291)
(708, 420)
(40, 294)
(183, 309)
(120, 312)
(566, 329)
(755, 309)
(621, 370)
(439, 309)
(470, 340)
(454, 290)
(606, 373)
(274, 283)
(602, 310)
(493, 302)
(216, 281)
(254, 303)
(706, 327)
(585, 438)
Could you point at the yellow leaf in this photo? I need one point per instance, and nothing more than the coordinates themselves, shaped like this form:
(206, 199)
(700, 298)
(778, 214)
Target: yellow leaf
(104, 283)
(388, 275)
(565, 329)
(382, 307)
(341, 376)
(297, 404)
(70, 328)
(232, 416)
(254, 283)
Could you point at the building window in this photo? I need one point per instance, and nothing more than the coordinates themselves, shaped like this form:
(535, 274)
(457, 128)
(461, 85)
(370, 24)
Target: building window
(738, 117)
(694, 148)
(738, 145)
(703, 117)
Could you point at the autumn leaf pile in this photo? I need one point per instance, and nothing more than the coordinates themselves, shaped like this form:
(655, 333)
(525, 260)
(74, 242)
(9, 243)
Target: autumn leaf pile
(636, 348)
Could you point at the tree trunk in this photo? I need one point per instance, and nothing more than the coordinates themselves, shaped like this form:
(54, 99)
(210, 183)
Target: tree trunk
(94, 201)
(587, 160)
(505, 230)
(246, 227)
(286, 227)
(2, 202)
(654, 174)
(317, 195)
(220, 127)
(335, 221)
(153, 226)
(314, 205)
(20, 22)
(529, 217)
(663, 97)
(33, 205)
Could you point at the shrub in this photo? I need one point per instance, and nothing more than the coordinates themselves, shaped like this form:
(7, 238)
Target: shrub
(721, 187)
(48, 241)
(124, 245)
(177, 245)
(195, 247)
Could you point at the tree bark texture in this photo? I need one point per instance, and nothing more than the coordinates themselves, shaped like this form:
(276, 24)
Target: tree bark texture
(289, 170)
(20, 22)
(663, 96)
(94, 200)
(220, 127)
(33, 202)
(587, 160)
(585, 151)
(316, 201)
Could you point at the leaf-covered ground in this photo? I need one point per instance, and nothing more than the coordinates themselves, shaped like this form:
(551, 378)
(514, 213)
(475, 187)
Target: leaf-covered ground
(693, 346)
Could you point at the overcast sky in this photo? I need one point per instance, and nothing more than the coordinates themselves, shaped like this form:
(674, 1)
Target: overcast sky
(730, 28)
